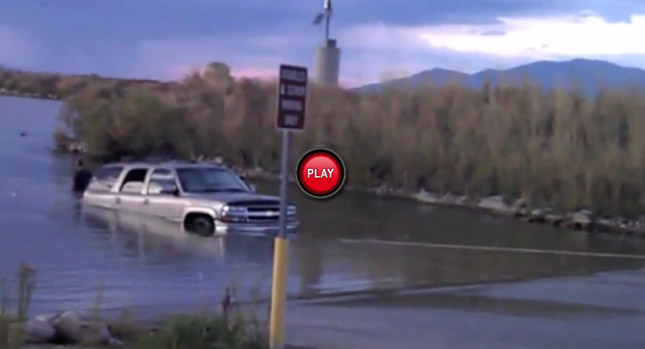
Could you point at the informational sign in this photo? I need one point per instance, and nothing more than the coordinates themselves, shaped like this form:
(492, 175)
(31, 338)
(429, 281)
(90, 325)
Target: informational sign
(292, 97)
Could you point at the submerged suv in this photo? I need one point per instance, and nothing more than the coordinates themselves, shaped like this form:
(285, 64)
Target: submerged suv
(206, 199)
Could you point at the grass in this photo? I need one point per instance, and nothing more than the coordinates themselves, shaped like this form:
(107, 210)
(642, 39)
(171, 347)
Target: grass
(200, 331)
(13, 336)
(233, 328)
(4, 313)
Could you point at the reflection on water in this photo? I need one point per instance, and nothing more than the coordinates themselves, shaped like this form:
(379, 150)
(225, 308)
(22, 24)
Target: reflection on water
(148, 237)
(150, 263)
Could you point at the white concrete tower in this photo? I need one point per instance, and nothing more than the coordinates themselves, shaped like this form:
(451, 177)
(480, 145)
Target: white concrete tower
(327, 59)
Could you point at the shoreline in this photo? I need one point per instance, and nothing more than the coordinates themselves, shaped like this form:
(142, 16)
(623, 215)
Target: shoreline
(6, 93)
(582, 220)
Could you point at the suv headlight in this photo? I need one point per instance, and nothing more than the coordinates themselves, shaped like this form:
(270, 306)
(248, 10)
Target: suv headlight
(233, 214)
(233, 210)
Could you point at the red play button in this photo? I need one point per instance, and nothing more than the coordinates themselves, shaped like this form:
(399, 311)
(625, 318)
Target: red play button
(320, 173)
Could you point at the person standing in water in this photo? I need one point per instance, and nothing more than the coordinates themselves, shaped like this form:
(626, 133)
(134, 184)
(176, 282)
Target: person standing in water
(82, 177)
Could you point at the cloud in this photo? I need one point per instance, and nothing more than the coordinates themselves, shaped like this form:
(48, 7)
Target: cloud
(539, 37)
(373, 50)
(255, 73)
(425, 12)
(166, 39)
(350, 81)
(248, 54)
(376, 52)
(535, 37)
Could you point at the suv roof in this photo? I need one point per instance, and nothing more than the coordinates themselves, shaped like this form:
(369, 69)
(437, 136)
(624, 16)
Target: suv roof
(168, 164)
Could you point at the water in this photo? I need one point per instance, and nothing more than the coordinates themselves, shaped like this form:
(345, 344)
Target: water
(345, 243)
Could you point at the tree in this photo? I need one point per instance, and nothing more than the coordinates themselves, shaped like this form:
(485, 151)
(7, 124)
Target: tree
(219, 76)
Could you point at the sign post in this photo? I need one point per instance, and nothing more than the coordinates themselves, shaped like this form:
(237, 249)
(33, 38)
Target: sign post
(292, 98)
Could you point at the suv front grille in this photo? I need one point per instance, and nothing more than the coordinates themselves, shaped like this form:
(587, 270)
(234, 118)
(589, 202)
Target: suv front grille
(260, 211)
(263, 214)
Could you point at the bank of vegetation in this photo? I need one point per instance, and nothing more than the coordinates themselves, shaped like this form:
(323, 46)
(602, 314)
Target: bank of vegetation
(58, 86)
(557, 149)
(229, 328)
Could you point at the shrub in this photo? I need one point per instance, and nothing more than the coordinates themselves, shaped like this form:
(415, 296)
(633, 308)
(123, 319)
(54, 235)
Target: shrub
(551, 148)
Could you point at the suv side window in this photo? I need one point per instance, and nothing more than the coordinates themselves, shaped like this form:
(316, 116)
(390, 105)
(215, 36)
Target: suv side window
(105, 178)
(161, 179)
(133, 181)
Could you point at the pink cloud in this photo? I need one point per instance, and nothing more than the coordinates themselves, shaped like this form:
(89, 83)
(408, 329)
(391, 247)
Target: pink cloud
(255, 73)
(179, 72)
(351, 82)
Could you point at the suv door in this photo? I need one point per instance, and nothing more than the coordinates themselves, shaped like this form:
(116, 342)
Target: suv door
(162, 195)
(130, 197)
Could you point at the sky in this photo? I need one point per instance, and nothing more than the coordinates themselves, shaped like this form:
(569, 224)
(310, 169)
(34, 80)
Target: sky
(379, 39)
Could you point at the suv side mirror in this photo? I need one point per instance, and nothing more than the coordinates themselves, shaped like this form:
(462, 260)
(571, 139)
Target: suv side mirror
(249, 185)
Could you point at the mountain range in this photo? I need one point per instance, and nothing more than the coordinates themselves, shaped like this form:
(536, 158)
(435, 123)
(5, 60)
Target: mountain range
(588, 75)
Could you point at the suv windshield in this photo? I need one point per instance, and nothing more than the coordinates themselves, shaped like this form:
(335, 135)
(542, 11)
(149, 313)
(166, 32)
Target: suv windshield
(206, 180)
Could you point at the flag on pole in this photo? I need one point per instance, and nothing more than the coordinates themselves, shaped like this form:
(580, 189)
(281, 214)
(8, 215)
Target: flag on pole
(326, 12)
(319, 18)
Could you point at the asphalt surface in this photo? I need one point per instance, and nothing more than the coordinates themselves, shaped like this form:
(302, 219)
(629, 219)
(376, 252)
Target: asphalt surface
(603, 310)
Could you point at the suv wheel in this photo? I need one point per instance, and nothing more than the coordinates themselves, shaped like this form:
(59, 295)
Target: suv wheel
(201, 225)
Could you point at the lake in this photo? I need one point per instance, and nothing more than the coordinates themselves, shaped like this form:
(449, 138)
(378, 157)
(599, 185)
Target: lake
(354, 242)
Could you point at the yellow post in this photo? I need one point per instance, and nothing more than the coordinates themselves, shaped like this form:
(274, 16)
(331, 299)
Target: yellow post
(278, 293)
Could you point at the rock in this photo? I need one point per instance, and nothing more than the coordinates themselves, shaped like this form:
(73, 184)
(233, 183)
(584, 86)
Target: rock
(453, 200)
(427, 197)
(381, 190)
(399, 192)
(607, 223)
(39, 331)
(538, 215)
(50, 318)
(75, 328)
(522, 212)
(640, 220)
(520, 204)
(462, 200)
(34, 331)
(582, 219)
(639, 224)
(625, 223)
(495, 203)
(554, 219)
